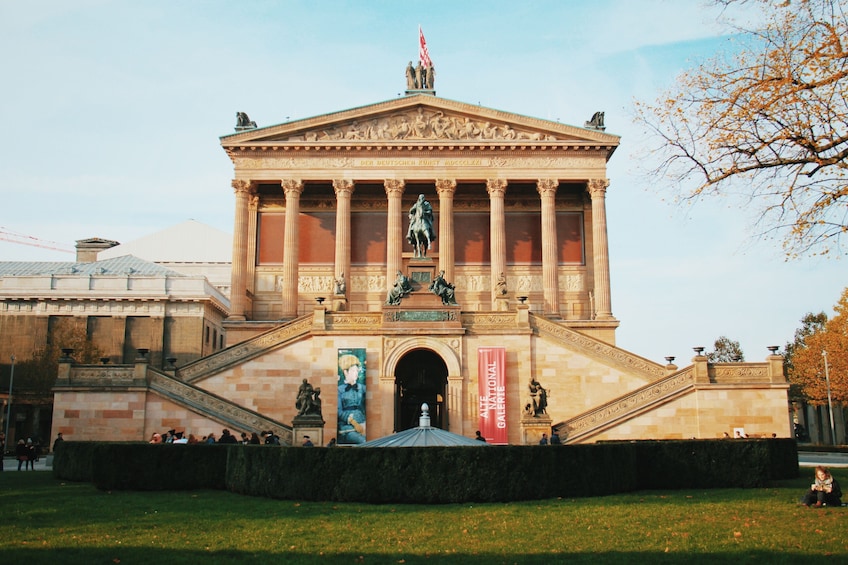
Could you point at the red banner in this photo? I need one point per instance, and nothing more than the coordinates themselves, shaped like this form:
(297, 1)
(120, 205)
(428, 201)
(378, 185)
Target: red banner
(491, 385)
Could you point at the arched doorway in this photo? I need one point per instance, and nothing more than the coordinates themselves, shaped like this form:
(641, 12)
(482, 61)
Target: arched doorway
(420, 376)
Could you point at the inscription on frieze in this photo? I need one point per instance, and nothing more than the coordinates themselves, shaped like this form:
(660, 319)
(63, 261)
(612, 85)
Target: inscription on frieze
(420, 316)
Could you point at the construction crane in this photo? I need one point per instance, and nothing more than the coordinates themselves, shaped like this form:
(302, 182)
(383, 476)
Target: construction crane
(22, 239)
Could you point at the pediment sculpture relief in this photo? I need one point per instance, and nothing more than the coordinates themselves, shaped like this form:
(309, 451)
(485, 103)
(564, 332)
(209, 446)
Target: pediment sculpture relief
(421, 124)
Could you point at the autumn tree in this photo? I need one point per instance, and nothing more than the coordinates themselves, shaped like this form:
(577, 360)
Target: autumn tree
(768, 123)
(807, 362)
(38, 373)
(725, 350)
(810, 324)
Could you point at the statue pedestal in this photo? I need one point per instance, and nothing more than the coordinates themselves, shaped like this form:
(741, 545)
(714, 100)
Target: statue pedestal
(311, 425)
(339, 304)
(532, 428)
(501, 303)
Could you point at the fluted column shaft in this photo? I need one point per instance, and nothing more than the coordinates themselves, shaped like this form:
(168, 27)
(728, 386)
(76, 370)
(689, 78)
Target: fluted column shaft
(547, 190)
(238, 278)
(600, 248)
(291, 247)
(446, 189)
(497, 230)
(394, 230)
(252, 220)
(344, 189)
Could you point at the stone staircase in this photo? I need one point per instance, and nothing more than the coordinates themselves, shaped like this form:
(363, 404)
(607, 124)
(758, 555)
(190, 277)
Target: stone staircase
(627, 406)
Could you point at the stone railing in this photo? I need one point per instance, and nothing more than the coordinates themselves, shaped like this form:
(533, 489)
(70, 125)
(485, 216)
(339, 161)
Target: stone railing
(581, 342)
(353, 321)
(108, 376)
(245, 350)
(489, 321)
(216, 407)
(626, 406)
(737, 373)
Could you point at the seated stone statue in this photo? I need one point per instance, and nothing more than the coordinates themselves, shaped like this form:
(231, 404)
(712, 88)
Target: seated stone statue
(401, 288)
(443, 289)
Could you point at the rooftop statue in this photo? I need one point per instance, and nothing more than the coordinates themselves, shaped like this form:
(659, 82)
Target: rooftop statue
(243, 122)
(597, 121)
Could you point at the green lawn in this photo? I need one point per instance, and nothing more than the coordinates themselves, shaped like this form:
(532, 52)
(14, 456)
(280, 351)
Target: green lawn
(47, 521)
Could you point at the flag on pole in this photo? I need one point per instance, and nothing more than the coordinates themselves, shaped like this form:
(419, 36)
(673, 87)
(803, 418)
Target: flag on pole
(423, 54)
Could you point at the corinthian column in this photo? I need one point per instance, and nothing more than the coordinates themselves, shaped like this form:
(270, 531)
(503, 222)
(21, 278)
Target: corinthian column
(344, 189)
(600, 248)
(238, 278)
(394, 231)
(547, 190)
(497, 231)
(446, 189)
(252, 218)
(291, 247)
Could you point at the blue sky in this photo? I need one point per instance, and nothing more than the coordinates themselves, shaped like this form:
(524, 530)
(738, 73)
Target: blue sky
(112, 112)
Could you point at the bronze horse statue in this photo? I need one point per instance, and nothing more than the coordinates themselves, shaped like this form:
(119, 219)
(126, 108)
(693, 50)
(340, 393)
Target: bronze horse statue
(420, 234)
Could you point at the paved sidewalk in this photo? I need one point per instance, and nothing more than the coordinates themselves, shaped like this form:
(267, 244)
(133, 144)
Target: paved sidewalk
(828, 459)
(11, 464)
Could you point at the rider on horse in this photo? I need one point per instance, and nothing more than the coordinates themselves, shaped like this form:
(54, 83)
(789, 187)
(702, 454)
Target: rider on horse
(421, 234)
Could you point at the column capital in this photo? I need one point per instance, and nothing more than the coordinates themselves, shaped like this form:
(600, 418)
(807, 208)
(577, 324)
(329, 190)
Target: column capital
(446, 186)
(394, 186)
(293, 186)
(343, 186)
(253, 201)
(243, 186)
(547, 187)
(496, 187)
(597, 186)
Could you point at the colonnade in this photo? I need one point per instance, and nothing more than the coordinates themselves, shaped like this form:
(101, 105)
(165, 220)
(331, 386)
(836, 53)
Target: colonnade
(245, 201)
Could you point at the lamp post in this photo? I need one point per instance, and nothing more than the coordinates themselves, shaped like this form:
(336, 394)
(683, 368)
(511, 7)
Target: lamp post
(829, 401)
(9, 403)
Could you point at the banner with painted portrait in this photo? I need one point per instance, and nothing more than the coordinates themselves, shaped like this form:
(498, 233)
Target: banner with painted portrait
(491, 388)
(351, 398)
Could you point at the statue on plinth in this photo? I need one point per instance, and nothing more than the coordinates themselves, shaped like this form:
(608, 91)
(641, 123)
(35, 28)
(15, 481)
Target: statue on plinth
(443, 289)
(339, 285)
(421, 233)
(399, 289)
(500, 285)
(308, 400)
(538, 398)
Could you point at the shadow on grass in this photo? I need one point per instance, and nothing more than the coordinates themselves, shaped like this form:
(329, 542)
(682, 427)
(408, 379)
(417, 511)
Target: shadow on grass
(129, 556)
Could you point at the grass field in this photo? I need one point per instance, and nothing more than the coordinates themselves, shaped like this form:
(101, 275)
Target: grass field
(47, 521)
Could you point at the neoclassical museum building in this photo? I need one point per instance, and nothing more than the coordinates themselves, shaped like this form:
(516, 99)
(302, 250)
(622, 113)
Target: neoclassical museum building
(502, 322)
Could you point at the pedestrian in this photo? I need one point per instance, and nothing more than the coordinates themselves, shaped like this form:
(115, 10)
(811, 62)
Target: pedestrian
(555, 438)
(307, 442)
(59, 440)
(544, 440)
(479, 436)
(21, 453)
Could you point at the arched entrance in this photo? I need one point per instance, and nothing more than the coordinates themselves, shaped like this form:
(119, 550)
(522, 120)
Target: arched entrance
(420, 376)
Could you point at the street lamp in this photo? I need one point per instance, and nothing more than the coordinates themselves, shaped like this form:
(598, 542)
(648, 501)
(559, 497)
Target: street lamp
(9, 403)
(829, 401)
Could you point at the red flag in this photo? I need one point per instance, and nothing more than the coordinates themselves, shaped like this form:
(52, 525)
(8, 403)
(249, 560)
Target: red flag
(423, 54)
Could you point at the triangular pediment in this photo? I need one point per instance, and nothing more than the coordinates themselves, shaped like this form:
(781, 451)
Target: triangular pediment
(419, 118)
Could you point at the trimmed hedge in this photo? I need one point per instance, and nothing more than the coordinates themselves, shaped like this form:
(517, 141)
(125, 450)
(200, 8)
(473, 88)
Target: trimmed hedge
(432, 474)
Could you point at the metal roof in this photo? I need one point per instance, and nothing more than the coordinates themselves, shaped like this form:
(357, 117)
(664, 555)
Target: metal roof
(125, 265)
(424, 436)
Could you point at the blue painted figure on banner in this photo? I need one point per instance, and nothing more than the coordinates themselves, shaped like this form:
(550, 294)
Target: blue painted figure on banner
(351, 417)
